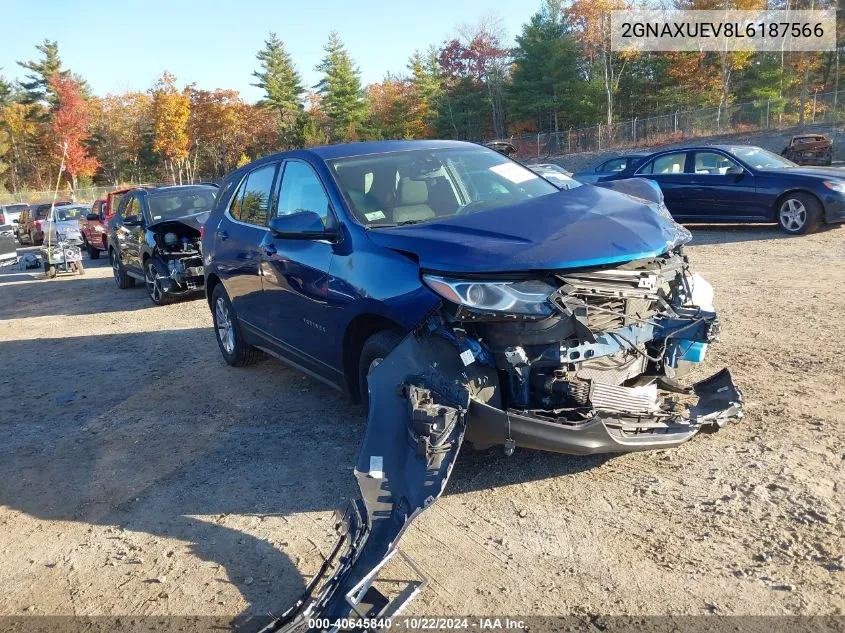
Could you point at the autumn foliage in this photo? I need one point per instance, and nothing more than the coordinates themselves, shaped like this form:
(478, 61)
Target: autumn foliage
(70, 127)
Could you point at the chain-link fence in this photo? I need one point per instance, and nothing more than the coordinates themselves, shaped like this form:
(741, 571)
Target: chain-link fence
(672, 127)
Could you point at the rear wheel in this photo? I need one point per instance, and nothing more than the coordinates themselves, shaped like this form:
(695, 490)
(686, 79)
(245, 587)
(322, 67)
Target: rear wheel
(375, 350)
(236, 352)
(799, 213)
(50, 271)
(93, 253)
(122, 280)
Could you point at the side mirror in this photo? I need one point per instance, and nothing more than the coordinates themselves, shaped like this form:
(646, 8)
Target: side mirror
(16, 221)
(132, 220)
(735, 170)
(302, 225)
(92, 217)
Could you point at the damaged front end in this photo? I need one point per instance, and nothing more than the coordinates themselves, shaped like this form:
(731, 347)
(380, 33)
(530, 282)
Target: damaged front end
(177, 252)
(582, 360)
(594, 368)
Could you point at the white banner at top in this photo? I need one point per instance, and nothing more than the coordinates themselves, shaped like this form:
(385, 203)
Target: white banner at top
(729, 30)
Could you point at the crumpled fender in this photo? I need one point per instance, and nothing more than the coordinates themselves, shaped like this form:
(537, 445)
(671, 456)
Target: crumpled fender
(419, 396)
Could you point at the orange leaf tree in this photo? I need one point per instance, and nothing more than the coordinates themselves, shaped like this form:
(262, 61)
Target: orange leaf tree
(70, 126)
(171, 112)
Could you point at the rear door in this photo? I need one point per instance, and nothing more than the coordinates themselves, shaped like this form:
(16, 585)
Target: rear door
(296, 277)
(238, 240)
(669, 171)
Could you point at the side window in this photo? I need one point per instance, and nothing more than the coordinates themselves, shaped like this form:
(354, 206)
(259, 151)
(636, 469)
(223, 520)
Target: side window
(251, 203)
(668, 164)
(613, 165)
(301, 190)
(712, 163)
(130, 211)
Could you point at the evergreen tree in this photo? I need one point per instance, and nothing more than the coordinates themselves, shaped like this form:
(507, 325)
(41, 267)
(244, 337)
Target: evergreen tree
(36, 87)
(340, 90)
(278, 78)
(546, 82)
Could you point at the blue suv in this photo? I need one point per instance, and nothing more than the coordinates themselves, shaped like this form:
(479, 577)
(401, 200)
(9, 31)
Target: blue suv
(567, 316)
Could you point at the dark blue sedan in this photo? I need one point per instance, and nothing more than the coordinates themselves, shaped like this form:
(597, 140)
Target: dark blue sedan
(743, 183)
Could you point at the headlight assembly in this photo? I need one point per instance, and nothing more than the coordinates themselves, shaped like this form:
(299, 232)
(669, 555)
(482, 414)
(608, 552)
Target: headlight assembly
(835, 185)
(510, 297)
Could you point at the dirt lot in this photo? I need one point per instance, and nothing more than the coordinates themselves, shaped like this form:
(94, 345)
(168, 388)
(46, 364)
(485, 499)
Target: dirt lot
(141, 475)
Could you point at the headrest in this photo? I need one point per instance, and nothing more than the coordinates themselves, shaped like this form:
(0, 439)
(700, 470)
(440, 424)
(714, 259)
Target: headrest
(412, 191)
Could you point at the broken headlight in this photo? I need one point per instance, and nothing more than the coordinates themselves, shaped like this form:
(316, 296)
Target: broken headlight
(512, 297)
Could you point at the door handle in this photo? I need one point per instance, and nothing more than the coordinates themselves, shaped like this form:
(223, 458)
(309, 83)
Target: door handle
(223, 235)
(270, 249)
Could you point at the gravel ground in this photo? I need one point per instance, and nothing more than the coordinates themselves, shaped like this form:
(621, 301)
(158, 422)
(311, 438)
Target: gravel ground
(140, 475)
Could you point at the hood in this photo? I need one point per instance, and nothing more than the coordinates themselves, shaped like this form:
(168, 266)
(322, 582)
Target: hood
(192, 221)
(586, 226)
(819, 172)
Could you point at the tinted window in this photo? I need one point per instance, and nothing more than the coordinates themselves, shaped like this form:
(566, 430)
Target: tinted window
(712, 163)
(302, 191)
(615, 164)
(668, 164)
(251, 202)
(180, 203)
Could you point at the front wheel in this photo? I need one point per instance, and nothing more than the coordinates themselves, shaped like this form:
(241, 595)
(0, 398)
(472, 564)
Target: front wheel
(50, 271)
(375, 350)
(236, 352)
(152, 279)
(799, 213)
(80, 268)
(93, 253)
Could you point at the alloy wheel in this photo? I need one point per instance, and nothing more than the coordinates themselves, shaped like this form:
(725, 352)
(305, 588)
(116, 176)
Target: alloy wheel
(793, 214)
(115, 266)
(153, 284)
(223, 321)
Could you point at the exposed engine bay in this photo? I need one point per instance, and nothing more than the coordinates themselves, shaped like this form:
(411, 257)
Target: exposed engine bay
(178, 246)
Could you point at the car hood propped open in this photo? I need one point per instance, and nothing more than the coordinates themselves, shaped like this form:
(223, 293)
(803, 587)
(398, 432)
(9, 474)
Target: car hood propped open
(587, 226)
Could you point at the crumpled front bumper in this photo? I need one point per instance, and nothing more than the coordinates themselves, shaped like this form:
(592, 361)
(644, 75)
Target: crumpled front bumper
(719, 401)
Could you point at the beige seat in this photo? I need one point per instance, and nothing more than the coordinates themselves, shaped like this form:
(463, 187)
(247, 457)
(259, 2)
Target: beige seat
(413, 199)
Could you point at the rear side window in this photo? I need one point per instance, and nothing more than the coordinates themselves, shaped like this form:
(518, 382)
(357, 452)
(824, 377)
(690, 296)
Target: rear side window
(302, 191)
(252, 202)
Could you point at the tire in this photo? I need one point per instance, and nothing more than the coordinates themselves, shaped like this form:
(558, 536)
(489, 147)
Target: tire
(50, 271)
(93, 253)
(227, 330)
(122, 280)
(376, 348)
(152, 272)
(798, 213)
(80, 268)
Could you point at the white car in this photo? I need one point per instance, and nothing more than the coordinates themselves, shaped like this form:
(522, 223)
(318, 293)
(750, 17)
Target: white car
(11, 213)
(63, 223)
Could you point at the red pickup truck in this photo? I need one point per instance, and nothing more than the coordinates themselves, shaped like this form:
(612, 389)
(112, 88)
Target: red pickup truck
(94, 229)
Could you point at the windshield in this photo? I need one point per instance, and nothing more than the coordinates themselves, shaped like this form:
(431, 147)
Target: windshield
(178, 204)
(760, 158)
(71, 213)
(433, 184)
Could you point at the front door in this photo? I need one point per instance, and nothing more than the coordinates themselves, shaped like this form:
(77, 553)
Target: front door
(296, 277)
(130, 233)
(731, 187)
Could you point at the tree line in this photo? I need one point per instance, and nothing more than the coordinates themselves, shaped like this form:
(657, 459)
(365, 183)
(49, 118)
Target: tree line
(559, 73)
